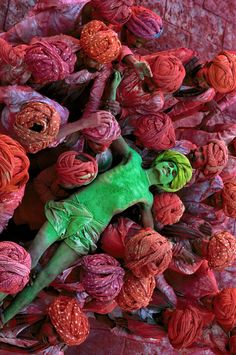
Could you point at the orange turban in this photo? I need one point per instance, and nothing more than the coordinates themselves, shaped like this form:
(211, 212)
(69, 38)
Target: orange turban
(221, 72)
(168, 72)
(216, 158)
(229, 199)
(148, 253)
(167, 208)
(136, 292)
(69, 321)
(99, 42)
(36, 126)
(224, 305)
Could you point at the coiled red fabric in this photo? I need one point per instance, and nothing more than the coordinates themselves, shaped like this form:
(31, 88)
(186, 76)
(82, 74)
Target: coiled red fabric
(224, 306)
(216, 158)
(115, 12)
(229, 198)
(167, 208)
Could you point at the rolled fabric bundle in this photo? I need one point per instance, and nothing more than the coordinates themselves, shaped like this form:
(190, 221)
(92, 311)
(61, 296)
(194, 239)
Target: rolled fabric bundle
(15, 266)
(224, 307)
(36, 126)
(103, 276)
(105, 133)
(216, 158)
(155, 131)
(136, 292)
(50, 61)
(114, 237)
(76, 169)
(99, 42)
(220, 250)
(9, 54)
(148, 253)
(69, 321)
(115, 12)
(229, 198)
(145, 23)
(14, 165)
(167, 208)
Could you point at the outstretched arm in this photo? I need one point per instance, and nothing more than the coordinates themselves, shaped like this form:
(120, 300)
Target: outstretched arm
(146, 215)
(120, 147)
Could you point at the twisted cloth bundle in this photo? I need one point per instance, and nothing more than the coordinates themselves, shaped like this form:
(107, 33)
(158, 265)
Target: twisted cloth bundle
(168, 72)
(49, 61)
(14, 165)
(184, 173)
(145, 23)
(99, 42)
(184, 326)
(216, 158)
(221, 72)
(69, 321)
(167, 208)
(220, 251)
(9, 54)
(148, 253)
(105, 133)
(155, 131)
(115, 12)
(76, 169)
(15, 265)
(224, 306)
(36, 126)
(103, 276)
(229, 199)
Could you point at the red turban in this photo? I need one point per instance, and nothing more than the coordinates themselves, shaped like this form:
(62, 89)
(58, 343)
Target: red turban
(69, 321)
(221, 72)
(220, 251)
(229, 199)
(168, 72)
(184, 326)
(36, 126)
(144, 23)
(14, 165)
(115, 236)
(136, 292)
(225, 308)
(50, 61)
(99, 42)
(216, 158)
(155, 131)
(167, 208)
(15, 265)
(103, 276)
(115, 12)
(148, 253)
(76, 169)
(105, 133)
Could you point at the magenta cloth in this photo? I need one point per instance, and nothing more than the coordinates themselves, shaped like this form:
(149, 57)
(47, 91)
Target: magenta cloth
(115, 12)
(103, 276)
(15, 265)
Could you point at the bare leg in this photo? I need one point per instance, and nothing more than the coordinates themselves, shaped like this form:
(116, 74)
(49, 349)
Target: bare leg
(63, 258)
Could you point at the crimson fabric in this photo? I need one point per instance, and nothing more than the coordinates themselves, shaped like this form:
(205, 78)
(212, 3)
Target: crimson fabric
(115, 236)
(76, 169)
(99, 42)
(69, 321)
(103, 276)
(229, 198)
(9, 54)
(100, 307)
(15, 265)
(136, 292)
(148, 253)
(167, 208)
(216, 159)
(224, 305)
(115, 12)
(155, 131)
(232, 344)
(36, 114)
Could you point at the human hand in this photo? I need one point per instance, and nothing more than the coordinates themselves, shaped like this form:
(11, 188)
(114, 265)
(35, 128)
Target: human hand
(116, 80)
(94, 119)
(143, 70)
(113, 106)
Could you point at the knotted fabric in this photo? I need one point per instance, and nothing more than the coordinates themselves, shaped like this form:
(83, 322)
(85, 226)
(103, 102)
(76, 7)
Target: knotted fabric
(136, 292)
(148, 253)
(99, 42)
(167, 208)
(36, 126)
(216, 158)
(224, 305)
(76, 169)
(229, 198)
(145, 23)
(9, 54)
(69, 321)
(115, 12)
(103, 276)
(15, 265)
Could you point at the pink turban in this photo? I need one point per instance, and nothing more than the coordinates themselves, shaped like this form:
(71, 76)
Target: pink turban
(167, 208)
(144, 23)
(103, 276)
(229, 199)
(115, 12)
(76, 169)
(155, 131)
(224, 305)
(216, 158)
(15, 265)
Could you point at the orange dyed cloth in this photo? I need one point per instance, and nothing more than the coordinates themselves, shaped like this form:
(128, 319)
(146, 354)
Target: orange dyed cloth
(224, 307)
(167, 208)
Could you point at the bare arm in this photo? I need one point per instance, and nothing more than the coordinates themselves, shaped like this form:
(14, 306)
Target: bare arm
(147, 218)
(120, 147)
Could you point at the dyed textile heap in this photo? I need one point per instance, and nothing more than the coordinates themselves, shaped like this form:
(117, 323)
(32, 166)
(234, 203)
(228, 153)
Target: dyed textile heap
(167, 208)
(10, 55)
(224, 306)
(115, 12)
(216, 158)
(229, 198)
